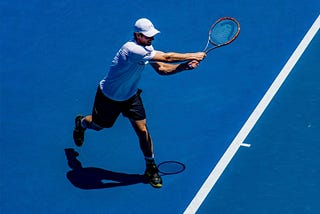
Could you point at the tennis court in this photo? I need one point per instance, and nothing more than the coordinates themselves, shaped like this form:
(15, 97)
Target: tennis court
(279, 172)
(52, 55)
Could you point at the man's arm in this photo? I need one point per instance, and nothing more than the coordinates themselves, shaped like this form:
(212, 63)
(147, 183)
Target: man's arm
(178, 57)
(168, 69)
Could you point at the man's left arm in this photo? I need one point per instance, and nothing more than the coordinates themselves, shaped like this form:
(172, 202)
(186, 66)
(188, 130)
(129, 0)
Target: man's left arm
(169, 69)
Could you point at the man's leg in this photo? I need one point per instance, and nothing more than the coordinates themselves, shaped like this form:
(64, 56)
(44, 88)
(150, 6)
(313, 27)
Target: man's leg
(146, 146)
(87, 123)
(81, 124)
(145, 140)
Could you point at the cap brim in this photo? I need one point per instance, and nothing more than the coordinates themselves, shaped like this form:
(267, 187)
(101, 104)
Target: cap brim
(151, 32)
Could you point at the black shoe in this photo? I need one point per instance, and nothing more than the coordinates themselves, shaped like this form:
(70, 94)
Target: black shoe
(152, 174)
(78, 132)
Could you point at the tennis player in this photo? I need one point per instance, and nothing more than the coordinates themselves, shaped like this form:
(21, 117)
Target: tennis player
(118, 91)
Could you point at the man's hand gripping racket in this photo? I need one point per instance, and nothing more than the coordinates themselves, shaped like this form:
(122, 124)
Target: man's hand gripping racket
(224, 31)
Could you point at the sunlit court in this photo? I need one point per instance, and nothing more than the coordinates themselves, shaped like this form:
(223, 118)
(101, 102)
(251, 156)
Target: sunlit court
(236, 133)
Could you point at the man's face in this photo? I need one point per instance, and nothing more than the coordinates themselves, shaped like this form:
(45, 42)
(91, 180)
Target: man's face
(144, 40)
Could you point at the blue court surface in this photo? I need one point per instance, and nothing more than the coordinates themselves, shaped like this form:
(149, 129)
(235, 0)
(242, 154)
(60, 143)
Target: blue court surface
(54, 53)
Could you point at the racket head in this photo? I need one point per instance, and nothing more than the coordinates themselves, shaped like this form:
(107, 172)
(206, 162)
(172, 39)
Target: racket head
(224, 31)
(171, 167)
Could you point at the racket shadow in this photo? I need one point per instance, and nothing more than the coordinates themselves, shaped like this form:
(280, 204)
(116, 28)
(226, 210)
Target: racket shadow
(171, 167)
(97, 178)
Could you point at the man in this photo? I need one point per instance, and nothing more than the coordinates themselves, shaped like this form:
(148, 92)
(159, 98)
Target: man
(118, 91)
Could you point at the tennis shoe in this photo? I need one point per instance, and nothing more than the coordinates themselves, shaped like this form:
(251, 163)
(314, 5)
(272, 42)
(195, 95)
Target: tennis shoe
(152, 174)
(78, 132)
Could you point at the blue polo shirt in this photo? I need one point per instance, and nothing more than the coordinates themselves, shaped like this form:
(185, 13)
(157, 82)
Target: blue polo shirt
(124, 74)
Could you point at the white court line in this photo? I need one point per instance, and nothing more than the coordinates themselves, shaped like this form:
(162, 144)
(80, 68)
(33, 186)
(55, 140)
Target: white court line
(255, 115)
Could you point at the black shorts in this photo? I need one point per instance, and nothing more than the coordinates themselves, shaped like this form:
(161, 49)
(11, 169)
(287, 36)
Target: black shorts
(106, 111)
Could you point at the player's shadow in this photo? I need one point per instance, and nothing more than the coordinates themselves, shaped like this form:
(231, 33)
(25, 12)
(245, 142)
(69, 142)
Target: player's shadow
(97, 178)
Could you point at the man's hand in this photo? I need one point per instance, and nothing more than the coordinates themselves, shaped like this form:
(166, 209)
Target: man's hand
(192, 64)
(199, 56)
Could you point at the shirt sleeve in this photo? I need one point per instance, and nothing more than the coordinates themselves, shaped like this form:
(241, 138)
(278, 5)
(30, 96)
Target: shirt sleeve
(152, 54)
(141, 54)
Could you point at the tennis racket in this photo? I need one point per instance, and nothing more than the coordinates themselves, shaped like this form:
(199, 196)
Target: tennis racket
(224, 31)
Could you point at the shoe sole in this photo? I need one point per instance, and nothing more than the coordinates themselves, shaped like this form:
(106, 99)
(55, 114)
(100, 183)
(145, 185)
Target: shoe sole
(77, 132)
(155, 185)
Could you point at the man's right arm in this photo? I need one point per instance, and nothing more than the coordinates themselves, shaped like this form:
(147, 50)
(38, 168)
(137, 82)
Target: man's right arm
(178, 57)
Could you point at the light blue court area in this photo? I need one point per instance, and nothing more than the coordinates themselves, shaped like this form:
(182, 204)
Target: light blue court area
(54, 53)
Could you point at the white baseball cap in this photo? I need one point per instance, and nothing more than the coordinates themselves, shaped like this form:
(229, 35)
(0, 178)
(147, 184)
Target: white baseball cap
(145, 27)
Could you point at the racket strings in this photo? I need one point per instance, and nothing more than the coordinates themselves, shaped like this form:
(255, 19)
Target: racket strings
(223, 32)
